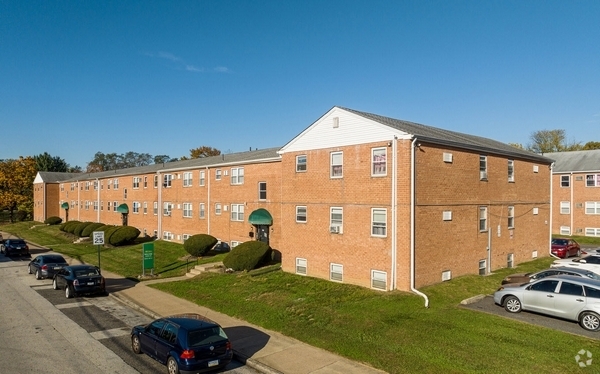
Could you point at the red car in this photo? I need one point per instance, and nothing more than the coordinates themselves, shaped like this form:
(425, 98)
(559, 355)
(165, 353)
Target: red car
(564, 247)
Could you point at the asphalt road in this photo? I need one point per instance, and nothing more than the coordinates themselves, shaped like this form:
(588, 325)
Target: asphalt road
(43, 331)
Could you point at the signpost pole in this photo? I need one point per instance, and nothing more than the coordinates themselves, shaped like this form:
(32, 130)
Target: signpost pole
(99, 241)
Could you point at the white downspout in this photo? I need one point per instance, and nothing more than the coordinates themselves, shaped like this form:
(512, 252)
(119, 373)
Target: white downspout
(98, 200)
(78, 201)
(394, 214)
(207, 212)
(571, 206)
(412, 223)
(159, 207)
(551, 223)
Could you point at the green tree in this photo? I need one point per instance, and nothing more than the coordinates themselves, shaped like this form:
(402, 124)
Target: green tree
(204, 151)
(16, 185)
(45, 162)
(545, 141)
(591, 145)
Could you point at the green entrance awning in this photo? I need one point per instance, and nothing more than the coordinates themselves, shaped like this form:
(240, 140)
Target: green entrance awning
(64, 205)
(260, 217)
(123, 208)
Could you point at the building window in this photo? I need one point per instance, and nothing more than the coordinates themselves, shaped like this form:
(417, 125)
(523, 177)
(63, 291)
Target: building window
(108, 184)
(336, 272)
(565, 230)
(167, 179)
(202, 177)
(145, 182)
(336, 220)
(187, 210)
(156, 181)
(108, 204)
(565, 180)
(218, 174)
(379, 280)
(124, 193)
(592, 207)
(136, 182)
(379, 161)
(116, 183)
(337, 165)
(301, 214)
(483, 167)
(511, 217)
(591, 231)
(482, 218)
(511, 170)
(378, 222)
(301, 266)
(167, 208)
(167, 235)
(115, 204)
(136, 207)
(262, 190)
(482, 267)
(185, 237)
(95, 185)
(202, 211)
(237, 175)
(145, 207)
(237, 212)
(592, 180)
(300, 163)
(155, 208)
(218, 209)
(96, 205)
(187, 179)
(565, 207)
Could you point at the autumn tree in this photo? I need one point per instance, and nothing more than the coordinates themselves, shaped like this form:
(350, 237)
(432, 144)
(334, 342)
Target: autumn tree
(591, 145)
(204, 151)
(546, 141)
(16, 185)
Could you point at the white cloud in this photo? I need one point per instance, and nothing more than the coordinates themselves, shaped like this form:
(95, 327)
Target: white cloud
(221, 69)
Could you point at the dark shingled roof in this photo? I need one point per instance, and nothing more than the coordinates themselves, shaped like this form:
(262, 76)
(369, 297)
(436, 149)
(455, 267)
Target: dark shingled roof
(575, 161)
(55, 177)
(452, 138)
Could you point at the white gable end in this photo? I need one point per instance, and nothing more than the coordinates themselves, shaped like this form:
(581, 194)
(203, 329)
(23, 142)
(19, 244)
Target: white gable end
(38, 179)
(338, 128)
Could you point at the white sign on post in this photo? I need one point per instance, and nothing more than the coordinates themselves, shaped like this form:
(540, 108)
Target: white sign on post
(98, 237)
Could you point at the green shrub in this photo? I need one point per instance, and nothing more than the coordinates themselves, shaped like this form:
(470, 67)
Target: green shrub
(199, 245)
(54, 220)
(108, 233)
(87, 231)
(246, 256)
(123, 235)
(70, 226)
(77, 230)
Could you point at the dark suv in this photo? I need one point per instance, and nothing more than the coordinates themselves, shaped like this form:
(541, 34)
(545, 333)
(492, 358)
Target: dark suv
(14, 247)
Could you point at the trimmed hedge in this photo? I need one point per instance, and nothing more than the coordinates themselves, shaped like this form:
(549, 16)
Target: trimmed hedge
(198, 245)
(89, 229)
(54, 220)
(79, 228)
(247, 256)
(123, 235)
(108, 233)
(69, 226)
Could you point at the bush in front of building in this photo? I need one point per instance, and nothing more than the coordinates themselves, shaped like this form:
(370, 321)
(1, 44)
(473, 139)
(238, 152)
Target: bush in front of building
(69, 226)
(54, 220)
(199, 245)
(80, 227)
(89, 229)
(247, 256)
(108, 231)
(123, 235)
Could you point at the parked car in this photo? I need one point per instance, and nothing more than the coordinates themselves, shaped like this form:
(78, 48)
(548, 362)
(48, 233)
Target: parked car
(188, 343)
(45, 266)
(79, 280)
(565, 247)
(13, 247)
(589, 262)
(564, 296)
(521, 278)
(1, 239)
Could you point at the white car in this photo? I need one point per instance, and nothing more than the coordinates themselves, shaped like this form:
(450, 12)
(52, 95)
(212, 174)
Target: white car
(590, 262)
(563, 296)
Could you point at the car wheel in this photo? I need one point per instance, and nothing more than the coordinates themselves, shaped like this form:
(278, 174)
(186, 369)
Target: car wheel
(172, 367)
(55, 284)
(590, 321)
(512, 304)
(68, 292)
(37, 274)
(135, 344)
(29, 269)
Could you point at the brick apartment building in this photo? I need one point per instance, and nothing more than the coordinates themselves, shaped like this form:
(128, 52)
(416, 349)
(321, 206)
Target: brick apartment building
(355, 198)
(576, 193)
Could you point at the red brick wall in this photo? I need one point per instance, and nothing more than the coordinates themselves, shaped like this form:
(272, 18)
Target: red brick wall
(577, 194)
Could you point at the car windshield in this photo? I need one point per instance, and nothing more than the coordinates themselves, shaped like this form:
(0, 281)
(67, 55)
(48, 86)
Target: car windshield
(559, 242)
(86, 272)
(206, 336)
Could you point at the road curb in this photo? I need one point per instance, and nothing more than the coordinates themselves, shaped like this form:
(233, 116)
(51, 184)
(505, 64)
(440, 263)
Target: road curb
(472, 300)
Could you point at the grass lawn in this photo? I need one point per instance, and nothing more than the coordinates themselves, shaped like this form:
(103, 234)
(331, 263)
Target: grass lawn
(388, 330)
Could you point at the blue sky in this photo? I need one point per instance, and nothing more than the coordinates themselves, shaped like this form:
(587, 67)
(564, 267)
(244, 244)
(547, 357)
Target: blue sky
(163, 77)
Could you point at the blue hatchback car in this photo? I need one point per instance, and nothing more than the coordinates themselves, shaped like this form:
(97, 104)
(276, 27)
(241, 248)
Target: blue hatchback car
(186, 343)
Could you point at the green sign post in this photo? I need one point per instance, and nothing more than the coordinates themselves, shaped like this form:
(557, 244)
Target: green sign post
(147, 257)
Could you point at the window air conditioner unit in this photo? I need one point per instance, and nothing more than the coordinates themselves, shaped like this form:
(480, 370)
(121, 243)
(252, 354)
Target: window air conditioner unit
(483, 175)
(334, 229)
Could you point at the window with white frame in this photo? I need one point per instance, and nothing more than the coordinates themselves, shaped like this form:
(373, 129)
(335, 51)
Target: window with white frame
(301, 266)
(379, 222)
(378, 279)
(202, 209)
(592, 207)
(592, 231)
(95, 185)
(482, 267)
(108, 184)
(234, 243)
(167, 180)
(115, 205)
(156, 181)
(136, 207)
(124, 193)
(482, 218)
(95, 205)
(145, 207)
(262, 190)
(62, 187)
(187, 179)
(565, 207)
(155, 208)
(87, 205)
(565, 230)
(379, 161)
(565, 180)
(202, 177)
(337, 164)
(185, 237)
(218, 209)
(72, 187)
(87, 186)
(511, 217)
(116, 183)
(167, 208)
(511, 170)
(510, 260)
(187, 210)
(336, 272)
(145, 182)
(237, 175)
(136, 182)
(300, 163)
(592, 180)
(482, 167)
(108, 205)
(237, 212)
(167, 235)
(336, 220)
(301, 214)
(218, 174)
